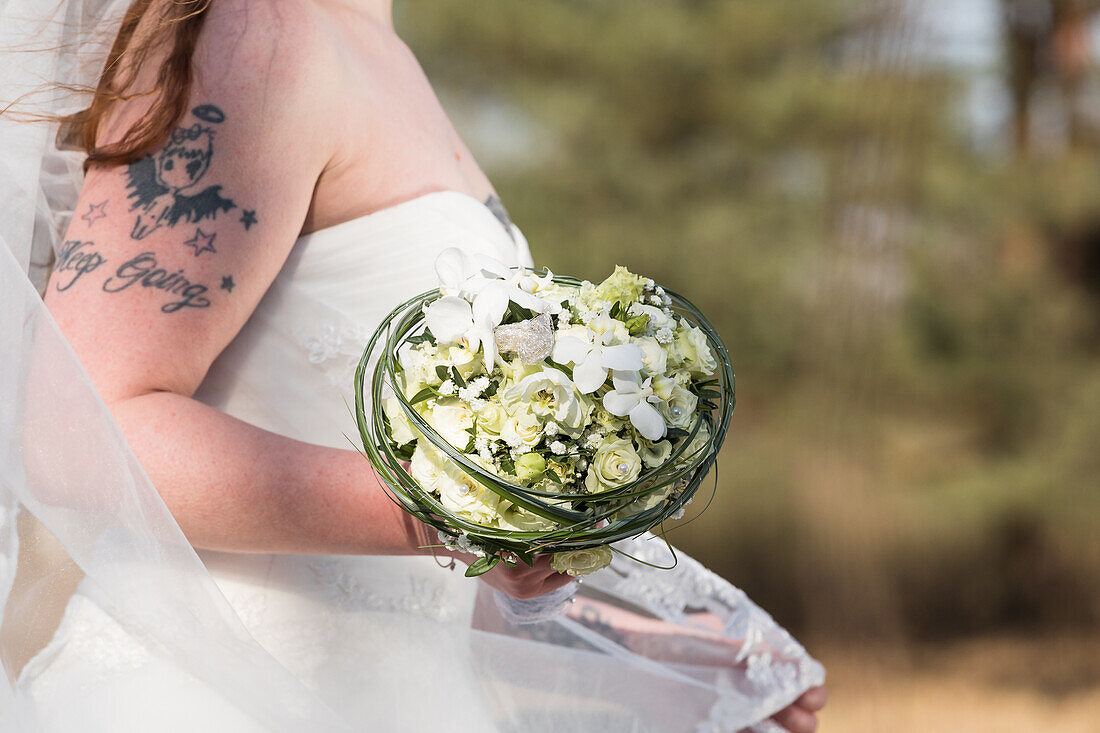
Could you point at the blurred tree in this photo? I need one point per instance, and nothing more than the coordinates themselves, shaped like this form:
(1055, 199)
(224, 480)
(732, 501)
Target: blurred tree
(1048, 38)
(911, 367)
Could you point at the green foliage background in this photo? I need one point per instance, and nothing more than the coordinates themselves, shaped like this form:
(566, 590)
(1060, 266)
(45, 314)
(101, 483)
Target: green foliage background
(915, 448)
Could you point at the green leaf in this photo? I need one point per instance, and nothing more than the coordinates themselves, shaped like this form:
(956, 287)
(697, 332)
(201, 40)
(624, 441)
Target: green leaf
(442, 373)
(482, 565)
(424, 394)
(519, 313)
(637, 324)
(560, 367)
(457, 378)
(491, 389)
(425, 337)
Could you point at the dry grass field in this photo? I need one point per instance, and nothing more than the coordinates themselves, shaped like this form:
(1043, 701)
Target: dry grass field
(1000, 685)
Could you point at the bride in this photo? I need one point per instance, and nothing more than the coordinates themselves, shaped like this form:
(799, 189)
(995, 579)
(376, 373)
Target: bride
(264, 180)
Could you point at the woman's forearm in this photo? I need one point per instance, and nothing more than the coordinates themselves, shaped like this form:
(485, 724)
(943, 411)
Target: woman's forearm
(232, 486)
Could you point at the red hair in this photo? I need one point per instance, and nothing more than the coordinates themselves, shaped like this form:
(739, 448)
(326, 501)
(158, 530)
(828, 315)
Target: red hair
(172, 35)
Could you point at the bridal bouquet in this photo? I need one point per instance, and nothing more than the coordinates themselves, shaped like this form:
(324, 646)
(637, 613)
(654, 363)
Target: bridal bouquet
(522, 413)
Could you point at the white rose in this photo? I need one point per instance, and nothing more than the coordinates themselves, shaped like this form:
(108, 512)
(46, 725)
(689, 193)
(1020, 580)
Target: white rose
(452, 419)
(520, 520)
(654, 356)
(465, 360)
(604, 420)
(425, 467)
(692, 348)
(645, 503)
(522, 430)
(654, 454)
(549, 394)
(515, 370)
(657, 317)
(464, 495)
(679, 409)
(694, 452)
(578, 331)
(491, 417)
(400, 428)
(615, 464)
(418, 367)
(581, 562)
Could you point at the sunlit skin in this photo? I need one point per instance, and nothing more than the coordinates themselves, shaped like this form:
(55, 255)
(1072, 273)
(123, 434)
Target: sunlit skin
(343, 124)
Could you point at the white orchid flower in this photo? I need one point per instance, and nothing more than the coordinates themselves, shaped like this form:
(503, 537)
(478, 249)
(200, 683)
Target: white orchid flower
(636, 400)
(529, 282)
(453, 319)
(466, 275)
(594, 358)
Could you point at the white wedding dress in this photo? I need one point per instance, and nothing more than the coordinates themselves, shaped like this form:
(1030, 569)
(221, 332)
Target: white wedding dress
(392, 643)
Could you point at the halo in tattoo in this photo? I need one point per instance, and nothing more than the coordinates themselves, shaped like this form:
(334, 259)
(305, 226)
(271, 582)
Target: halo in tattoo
(209, 113)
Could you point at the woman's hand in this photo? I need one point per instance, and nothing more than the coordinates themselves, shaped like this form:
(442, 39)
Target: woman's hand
(800, 716)
(521, 581)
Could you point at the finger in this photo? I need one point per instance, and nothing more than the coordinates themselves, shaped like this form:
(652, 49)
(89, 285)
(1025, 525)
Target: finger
(796, 720)
(813, 699)
(555, 581)
(542, 562)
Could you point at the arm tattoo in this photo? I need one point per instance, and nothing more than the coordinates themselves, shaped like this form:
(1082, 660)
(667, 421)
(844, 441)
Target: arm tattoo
(95, 213)
(165, 188)
(589, 615)
(201, 242)
(78, 258)
(142, 270)
(495, 205)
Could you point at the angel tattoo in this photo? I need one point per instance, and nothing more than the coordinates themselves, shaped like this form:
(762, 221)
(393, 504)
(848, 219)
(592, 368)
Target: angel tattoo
(163, 187)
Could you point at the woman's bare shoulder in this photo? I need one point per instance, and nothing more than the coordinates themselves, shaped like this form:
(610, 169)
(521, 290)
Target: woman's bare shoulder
(279, 47)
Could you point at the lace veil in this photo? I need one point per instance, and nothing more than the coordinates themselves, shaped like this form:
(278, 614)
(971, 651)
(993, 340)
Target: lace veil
(76, 506)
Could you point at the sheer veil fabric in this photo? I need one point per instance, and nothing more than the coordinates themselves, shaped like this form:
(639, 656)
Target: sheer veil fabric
(113, 622)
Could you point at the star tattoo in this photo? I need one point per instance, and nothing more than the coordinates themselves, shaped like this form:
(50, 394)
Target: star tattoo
(227, 283)
(201, 242)
(95, 212)
(248, 218)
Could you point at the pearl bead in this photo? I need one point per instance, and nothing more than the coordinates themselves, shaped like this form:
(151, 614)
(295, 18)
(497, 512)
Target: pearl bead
(623, 468)
(676, 411)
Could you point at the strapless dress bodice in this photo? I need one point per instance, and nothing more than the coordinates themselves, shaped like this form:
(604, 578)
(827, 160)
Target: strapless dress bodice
(290, 368)
(290, 371)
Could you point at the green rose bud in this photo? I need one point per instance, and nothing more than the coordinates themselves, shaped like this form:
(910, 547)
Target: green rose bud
(637, 324)
(622, 286)
(530, 466)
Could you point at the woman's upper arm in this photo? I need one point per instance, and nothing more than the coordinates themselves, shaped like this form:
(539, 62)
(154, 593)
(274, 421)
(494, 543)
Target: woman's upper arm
(166, 257)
